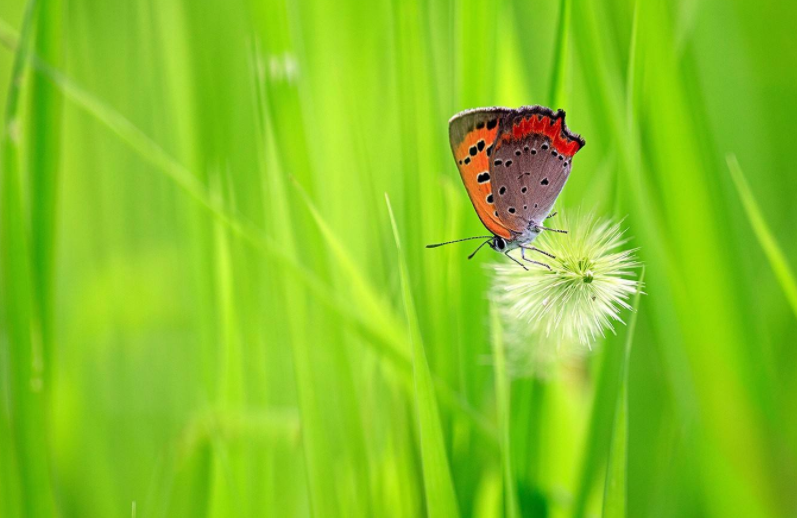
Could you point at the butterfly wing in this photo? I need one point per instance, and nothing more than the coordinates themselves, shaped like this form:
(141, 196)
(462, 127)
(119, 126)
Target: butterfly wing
(472, 134)
(530, 163)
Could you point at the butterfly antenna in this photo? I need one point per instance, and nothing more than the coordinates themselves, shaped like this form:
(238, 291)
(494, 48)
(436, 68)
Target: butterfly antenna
(479, 248)
(552, 229)
(458, 240)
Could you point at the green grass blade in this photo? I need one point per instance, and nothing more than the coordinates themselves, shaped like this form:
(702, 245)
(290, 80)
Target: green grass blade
(365, 293)
(615, 487)
(43, 155)
(318, 453)
(556, 92)
(773, 251)
(503, 403)
(441, 500)
(599, 428)
(382, 323)
(28, 410)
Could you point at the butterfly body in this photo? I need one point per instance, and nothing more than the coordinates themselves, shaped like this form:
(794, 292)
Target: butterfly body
(514, 163)
(501, 245)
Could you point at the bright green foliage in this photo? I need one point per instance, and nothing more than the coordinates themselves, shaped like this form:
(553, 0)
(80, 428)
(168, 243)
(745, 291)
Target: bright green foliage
(204, 313)
(615, 493)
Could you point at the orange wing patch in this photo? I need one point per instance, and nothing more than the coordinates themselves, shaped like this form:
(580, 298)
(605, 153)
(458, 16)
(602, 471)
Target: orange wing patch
(473, 160)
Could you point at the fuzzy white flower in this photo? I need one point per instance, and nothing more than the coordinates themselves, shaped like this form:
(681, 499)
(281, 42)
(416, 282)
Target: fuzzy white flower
(589, 284)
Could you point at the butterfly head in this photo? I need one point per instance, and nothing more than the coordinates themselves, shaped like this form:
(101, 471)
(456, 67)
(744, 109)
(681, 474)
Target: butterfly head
(498, 244)
(501, 245)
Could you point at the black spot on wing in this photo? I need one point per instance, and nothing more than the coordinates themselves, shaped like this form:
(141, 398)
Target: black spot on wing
(473, 151)
(544, 181)
(483, 177)
(492, 123)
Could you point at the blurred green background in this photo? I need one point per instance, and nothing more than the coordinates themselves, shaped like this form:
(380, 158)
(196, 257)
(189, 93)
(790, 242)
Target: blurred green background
(205, 312)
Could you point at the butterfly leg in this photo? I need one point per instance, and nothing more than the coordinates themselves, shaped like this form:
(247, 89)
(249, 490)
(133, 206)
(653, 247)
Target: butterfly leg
(523, 255)
(518, 262)
(552, 214)
(535, 249)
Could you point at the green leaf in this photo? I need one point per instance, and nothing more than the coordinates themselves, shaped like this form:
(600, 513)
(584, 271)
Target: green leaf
(556, 93)
(503, 402)
(615, 492)
(28, 401)
(441, 500)
(773, 251)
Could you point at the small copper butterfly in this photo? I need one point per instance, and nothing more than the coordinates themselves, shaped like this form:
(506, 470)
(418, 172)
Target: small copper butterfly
(514, 163)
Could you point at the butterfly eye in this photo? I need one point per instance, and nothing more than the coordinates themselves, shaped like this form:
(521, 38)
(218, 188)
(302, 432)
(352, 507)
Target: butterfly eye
(499, 243)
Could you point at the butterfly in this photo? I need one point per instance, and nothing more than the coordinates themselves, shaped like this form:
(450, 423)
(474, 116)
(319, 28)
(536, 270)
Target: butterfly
(514, 163)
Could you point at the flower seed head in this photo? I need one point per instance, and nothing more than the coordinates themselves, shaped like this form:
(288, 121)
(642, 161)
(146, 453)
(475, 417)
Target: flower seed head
(590, 282)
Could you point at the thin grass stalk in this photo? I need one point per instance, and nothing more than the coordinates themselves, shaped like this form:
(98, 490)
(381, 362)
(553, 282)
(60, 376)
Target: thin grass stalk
(774, 253)
(615, 493)
(43, 156)
(28, 411)
(556, 91)
(503, 402)
(441, 500)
